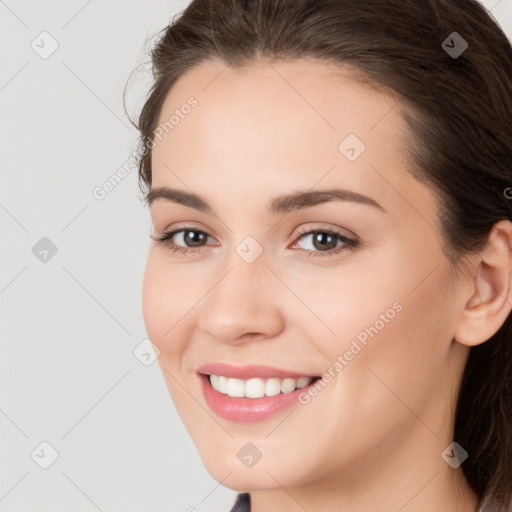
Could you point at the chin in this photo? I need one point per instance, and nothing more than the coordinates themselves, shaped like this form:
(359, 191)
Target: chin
(261, 476)
(241, 479)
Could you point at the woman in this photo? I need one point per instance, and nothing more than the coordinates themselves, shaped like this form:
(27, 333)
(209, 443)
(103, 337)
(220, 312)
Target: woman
(329, 279)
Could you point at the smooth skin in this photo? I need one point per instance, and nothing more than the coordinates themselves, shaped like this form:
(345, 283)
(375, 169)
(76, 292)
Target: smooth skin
(372, 438)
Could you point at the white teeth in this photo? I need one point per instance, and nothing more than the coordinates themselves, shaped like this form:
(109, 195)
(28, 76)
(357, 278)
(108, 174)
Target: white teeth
(235, 387)
(302, 382)
(272, 387)
(256, 387)
(288, 385)
(223, 384)
(214, 379)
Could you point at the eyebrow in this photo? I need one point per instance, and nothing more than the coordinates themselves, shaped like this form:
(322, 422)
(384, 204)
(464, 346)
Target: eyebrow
(278, 205)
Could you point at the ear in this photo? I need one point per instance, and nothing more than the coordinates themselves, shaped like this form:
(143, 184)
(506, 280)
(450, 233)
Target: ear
(491, 301)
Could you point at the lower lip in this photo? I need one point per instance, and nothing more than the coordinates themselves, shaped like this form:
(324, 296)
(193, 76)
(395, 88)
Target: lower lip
(247, 410)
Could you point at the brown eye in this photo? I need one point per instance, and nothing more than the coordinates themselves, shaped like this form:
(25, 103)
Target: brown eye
(193, 238)
(188, 239)
(324, 241)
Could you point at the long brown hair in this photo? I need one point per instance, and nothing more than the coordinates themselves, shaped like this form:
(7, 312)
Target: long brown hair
(460, 144)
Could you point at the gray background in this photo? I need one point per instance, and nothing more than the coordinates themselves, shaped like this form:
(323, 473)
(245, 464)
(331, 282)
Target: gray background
(71, 321)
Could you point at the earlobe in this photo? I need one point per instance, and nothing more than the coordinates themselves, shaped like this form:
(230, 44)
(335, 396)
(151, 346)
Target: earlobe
(491, 302)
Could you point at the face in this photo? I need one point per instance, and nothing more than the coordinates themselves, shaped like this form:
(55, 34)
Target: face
(347, 286)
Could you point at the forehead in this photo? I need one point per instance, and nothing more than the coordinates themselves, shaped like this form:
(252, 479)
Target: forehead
(276, 126)
(277, 103)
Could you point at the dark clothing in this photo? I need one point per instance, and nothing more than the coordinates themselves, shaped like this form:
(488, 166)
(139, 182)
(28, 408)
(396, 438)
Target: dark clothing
(242, 503)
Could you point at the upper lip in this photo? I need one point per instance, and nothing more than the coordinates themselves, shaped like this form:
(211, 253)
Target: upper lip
(249, 371)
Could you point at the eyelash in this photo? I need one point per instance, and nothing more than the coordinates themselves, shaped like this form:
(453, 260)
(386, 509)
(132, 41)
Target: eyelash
(349, 243)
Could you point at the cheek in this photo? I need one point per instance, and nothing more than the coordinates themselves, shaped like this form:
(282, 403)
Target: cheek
(151, 300)
(387, 315)
(407, 358)
(164, 302)
(339, 305)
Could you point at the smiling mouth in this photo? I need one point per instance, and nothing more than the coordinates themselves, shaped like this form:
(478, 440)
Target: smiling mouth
(257, 387)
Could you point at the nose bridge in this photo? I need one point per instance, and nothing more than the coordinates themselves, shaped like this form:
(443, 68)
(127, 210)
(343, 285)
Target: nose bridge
(240, 301)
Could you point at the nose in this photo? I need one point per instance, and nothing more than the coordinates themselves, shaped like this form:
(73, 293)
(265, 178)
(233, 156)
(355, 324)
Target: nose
(243, 304)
